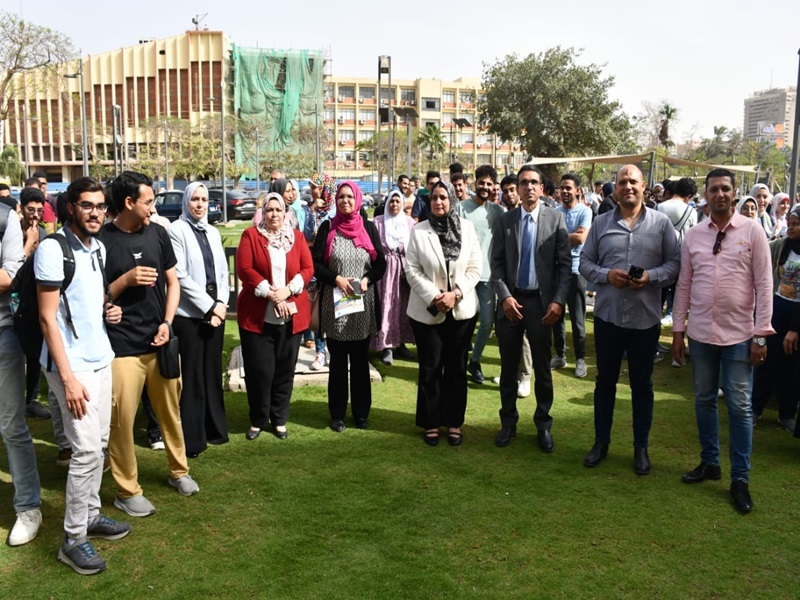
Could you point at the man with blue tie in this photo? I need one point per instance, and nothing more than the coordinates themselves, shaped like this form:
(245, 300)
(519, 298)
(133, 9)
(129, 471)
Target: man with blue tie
(531, 266)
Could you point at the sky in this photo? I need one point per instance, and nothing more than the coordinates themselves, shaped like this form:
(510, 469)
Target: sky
(702, 56)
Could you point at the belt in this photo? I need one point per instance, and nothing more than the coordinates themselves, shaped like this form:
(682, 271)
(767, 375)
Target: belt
(527, 293)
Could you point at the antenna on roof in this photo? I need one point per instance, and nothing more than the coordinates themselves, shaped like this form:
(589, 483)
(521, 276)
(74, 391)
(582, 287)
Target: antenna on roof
(197, 19)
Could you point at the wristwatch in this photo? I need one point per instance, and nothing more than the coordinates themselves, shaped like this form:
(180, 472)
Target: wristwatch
(458, 295)
(760, 341)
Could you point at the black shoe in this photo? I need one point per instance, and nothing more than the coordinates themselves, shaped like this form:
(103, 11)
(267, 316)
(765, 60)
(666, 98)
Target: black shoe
(252, 434)
(337, 425)
(362, 423)
(641, 462)
(702, 472)
(281, 435)
(454, 438)
(596, 455)
(474, 369)
(431, 436)
(546, 441)
(37, 411)
(386, 357)
(505, 434)
(740, 493)
(192, 454)
(404, 353)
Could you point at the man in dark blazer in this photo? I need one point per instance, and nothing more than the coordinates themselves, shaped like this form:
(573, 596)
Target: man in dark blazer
(531, 266)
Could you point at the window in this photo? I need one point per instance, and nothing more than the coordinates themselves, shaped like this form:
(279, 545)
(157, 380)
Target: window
(447, 118)
(345, 156)
(388, 94)
(328, 92)
(366, 93)
(328, 115)
(367, 115)
(466, 97)
(348, 114)
(483, 140)
(347, 136)
(347, 91)
(363, 136)
(449, 96)
(408, 95)
(484, 159)
(467, 138)
(430, 103)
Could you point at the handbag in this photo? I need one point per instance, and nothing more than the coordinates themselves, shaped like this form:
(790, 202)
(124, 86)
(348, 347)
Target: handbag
(313, 299)
(168, 355)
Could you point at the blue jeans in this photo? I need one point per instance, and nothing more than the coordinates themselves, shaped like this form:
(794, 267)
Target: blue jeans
(733, 363)
(611, 342)
(487, 302)
(15, 432)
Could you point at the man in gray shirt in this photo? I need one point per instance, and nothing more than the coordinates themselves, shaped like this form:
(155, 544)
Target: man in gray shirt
(631, 253)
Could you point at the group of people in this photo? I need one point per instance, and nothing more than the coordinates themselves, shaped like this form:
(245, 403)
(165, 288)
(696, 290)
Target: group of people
(117, 289)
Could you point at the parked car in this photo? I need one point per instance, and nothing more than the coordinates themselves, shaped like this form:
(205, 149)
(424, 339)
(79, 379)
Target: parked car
(169, 204)
(240, 205)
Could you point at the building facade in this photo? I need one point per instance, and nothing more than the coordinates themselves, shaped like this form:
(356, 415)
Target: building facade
(769, 115)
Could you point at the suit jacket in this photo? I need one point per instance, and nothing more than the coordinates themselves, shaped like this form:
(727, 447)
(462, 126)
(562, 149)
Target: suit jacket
(426, 273)
(552, 256)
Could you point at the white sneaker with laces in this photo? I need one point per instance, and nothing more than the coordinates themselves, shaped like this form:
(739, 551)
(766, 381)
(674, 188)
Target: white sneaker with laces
(26, 527)
(580, 368)
(185, 485)
(667, 321)
(523, 389)
(558, 362)
(319, 361)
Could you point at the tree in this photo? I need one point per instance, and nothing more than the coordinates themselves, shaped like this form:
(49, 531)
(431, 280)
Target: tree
(10, 165)
(667, 113)
(552, 106)
(367, 149)
(432, 139)
(26, 47)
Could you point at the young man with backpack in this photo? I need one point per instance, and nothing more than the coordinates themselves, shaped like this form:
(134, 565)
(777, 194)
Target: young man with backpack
(77, 357)
(14, 430)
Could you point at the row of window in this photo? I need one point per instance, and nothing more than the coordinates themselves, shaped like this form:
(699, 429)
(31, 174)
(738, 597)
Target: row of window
(350, 156)
(407, 95)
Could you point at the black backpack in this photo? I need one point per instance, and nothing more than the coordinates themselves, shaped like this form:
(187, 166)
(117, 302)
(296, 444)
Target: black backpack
(26, 311)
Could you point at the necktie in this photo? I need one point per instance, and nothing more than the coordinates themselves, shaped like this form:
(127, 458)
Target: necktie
(525, 253)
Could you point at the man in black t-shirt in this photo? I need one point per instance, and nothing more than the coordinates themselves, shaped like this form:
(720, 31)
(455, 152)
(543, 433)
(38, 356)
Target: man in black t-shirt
(141, 272)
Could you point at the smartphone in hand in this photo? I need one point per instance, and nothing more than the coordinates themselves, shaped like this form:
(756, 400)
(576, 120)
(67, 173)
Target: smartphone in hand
(636, 272)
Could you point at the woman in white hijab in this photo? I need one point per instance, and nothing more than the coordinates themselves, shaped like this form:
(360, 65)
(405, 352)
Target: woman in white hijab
(394, 227)
(200, 321)
(763, 198)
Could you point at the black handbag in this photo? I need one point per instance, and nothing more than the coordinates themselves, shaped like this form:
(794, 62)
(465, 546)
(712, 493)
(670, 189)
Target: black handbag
(169, 364)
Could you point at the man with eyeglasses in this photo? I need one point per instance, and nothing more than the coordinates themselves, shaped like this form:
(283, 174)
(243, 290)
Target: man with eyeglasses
(726, 279)
(48, 218)
(631, 253)
(141, 269)
(530, 271)
(77, 359)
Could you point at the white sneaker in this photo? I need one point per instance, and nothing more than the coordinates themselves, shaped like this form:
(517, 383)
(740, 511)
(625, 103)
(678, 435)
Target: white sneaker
(523, 389)
(580, 368)
(319, 362)
(676, 364)
(558, 362)
(185, 485)
(26, 527)
(667, 321)
(496, 380)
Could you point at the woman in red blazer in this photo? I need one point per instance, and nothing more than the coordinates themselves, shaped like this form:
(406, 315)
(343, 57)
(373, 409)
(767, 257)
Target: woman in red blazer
(274, 264)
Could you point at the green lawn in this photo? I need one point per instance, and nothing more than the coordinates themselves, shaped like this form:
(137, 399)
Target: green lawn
(378, 514)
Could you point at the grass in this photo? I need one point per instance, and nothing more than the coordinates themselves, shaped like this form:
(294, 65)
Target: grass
(377, 514)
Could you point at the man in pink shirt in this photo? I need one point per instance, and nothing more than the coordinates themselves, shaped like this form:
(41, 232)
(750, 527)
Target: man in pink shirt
(726, 278)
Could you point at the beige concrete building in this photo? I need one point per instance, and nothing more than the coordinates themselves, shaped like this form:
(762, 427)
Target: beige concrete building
(769, 115)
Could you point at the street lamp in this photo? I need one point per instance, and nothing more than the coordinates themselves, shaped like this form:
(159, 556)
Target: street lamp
(460, 123)
(258, 165)
(85, 145)
(221, 99)
(796, 141)
(384, 66)
(407, 114)
(166, 156)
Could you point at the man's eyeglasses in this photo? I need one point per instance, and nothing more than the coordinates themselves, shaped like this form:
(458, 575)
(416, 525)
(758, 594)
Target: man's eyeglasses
(88, 207)
(718, 243)
(33, 210)
(523, 182)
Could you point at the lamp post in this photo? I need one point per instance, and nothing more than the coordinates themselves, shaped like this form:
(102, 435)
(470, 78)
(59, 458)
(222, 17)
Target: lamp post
(85, 144)
(24, 112)
(221, 99)
(384, 66)
(258, 165)
(116, 122)
(460, 123)
(166, 156)
(407, 114)
(796, 142)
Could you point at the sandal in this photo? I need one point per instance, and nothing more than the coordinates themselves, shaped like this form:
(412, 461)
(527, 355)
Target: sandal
(454, 438)
(431, 437)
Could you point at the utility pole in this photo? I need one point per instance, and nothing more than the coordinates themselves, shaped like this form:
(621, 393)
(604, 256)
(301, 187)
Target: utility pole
(166, 155)
(796, 142)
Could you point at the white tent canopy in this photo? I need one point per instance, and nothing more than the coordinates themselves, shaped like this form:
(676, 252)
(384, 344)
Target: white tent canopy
(637, 158)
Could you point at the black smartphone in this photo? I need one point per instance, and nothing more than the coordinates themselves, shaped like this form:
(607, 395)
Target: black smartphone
(356, 285)
(636, 272)
(433, 310)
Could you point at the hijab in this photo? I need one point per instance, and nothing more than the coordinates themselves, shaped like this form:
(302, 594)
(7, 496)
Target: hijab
(279, 186)
(283, 238)
(760, 186)
(790, 245)
(741, 204)
(328, 191)
(200, 224)
(448, 226)
(395, 227)
(350, 226)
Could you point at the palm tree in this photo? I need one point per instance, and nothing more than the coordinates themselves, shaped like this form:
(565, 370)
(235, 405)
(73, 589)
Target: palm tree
(668, 113)
(10, 165)
(432, 139)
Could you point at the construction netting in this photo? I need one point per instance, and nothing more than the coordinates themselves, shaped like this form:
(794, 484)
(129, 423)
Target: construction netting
(278, 98)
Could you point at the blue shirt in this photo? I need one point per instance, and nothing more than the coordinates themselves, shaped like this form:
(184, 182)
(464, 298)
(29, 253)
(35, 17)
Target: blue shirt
(576, 217)
(91, 350)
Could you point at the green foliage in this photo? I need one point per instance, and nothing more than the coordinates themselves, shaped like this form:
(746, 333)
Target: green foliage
(432, 140)
(553, 106)
(11, 166)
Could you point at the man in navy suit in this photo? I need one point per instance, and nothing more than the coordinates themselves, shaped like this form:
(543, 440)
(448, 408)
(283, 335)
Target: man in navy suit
(531, 266)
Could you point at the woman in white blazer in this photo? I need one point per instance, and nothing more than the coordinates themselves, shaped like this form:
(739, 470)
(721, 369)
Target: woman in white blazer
(200, 321)
(443, 267)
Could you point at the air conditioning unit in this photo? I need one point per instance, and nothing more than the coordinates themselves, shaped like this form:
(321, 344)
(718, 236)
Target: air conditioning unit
(349, 164)
(413, 103)
(341, 98)
(341, 120)
(461, 145)
(361, 101)
(499, 144)
(342, 142)
(362, 121)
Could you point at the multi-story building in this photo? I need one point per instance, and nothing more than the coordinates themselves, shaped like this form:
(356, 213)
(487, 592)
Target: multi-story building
(187, 76)
(769, 115)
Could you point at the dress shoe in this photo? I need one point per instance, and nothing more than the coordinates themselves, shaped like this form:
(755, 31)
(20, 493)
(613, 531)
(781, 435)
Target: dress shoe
(281, 435)
(546, 441)
(431, 436)
(404, 353)
(596, 455)
(454, 438)
(641, 462)
(362, 423)
(337, 425)
(474, 369)
(252, 434)
(505, 434)
(386, 357)
(740, 493)
(702, 472)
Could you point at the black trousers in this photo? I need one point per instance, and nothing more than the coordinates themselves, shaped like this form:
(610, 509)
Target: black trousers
(442, 383)
(202, 400)
(509, 337)
(360, 386)
(269, 363)
(779, 371)
(576, 303)
(33, 372)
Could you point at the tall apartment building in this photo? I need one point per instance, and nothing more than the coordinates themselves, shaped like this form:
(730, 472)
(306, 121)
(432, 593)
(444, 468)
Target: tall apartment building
(769, 115)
